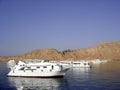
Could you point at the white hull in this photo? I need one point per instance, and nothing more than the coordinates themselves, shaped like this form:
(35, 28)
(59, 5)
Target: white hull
(37, 70)
(81, 64)
(37, 73)
(98, 61)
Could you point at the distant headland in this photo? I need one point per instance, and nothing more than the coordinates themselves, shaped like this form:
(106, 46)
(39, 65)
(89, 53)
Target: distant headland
(104, 50)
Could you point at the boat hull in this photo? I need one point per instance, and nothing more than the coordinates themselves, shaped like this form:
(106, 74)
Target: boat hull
(37, 74)
(59, 76)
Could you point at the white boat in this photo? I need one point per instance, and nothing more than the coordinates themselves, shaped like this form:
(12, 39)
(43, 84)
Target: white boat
(105, 61)
(36, 69)
(98, 61)
(67, 64)
(81, 64)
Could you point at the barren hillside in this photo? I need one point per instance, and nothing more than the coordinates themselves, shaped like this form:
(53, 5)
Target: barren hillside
(104, 50)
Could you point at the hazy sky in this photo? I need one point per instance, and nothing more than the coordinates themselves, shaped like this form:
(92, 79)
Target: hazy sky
(26, 25)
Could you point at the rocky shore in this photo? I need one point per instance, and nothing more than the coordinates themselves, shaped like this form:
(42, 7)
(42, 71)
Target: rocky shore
(104, 50)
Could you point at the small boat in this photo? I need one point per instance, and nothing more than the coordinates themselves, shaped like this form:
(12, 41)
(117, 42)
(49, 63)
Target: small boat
(96, 61)
(36, 69)
(81, 64)
(67, 64)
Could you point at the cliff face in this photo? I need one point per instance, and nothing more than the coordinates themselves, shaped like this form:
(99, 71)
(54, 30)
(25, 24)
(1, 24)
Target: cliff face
(105, 50)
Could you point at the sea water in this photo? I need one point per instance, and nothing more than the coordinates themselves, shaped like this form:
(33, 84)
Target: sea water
(100, 77)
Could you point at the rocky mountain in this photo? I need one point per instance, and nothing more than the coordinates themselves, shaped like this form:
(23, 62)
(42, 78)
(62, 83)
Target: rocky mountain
(104, 50)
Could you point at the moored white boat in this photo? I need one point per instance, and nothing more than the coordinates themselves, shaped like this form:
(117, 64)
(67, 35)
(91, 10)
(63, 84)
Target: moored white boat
(98, 61)
(67, 64)
(81, 64)
(36, 69)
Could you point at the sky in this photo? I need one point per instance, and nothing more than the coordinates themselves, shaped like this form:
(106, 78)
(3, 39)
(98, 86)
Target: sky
(26, 25)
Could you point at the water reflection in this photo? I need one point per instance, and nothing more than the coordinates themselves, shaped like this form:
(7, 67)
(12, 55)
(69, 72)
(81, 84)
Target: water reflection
(37, 83)
(80, 71)
(78, 77)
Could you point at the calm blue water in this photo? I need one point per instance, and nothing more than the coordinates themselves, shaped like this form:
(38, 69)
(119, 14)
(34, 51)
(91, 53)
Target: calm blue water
(100, 77)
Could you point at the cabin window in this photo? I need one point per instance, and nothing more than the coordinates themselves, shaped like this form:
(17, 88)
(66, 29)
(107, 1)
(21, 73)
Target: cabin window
(29, 67)
(37, 67)
(22, 68)
(76, 63)
(44, 67)
(52, 66)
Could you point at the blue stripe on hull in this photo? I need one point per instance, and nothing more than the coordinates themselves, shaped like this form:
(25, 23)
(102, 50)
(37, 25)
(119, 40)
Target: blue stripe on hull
(60, 76)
